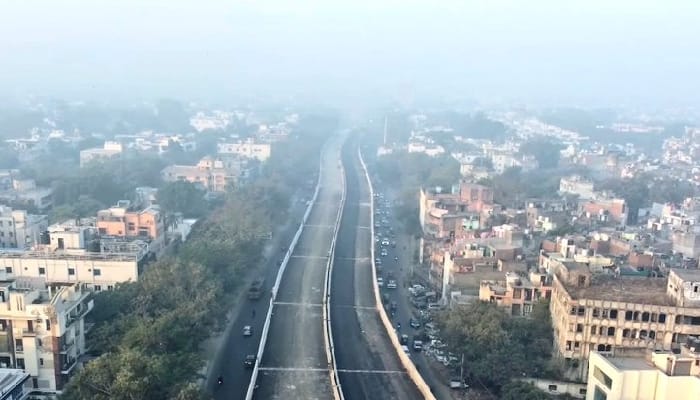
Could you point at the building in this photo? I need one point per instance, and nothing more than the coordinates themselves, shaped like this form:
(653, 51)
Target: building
(477, 197)
(25, 191)
(687, 242)
(19, 229)
(124, 221)
(42, 330)
(620, 316)
(518, 293)
(109, 150)
(15, 384)
(248, 149)
(658, 376)
(578, 186)
(605, 210)
(214, 175)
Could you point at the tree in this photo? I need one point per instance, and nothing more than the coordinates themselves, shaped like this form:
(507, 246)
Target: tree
(519, 390)
(545, 151)
(182, 197)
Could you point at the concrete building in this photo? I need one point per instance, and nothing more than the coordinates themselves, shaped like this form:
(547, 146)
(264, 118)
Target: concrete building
(109, 150)
(126, 222)
(605, 210)
(19, 229)
(15, 384)
(687, 242)
(42, 330)
(475, 196)
(658, 376)
(577, 185)
(518, 293)
(620, 316)
(25, 191)
(214, 175)
(248, 149)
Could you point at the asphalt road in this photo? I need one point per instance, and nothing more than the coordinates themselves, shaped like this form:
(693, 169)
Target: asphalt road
(367, 363)
(294, 364)
(229, 363)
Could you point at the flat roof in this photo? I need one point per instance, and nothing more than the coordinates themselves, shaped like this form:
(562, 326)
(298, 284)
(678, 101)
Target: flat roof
(623, 289)
(630, 363)
(11, 378)
(687, 274)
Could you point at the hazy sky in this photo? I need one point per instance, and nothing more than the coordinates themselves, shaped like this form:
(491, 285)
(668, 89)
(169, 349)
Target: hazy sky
(556, 51)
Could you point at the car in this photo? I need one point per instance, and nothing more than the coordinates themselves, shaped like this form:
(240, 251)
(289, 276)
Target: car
(380, 282)
(404, 339)
(396, 258)
(393, 306)
(385, 242)
(249, 361)
(384, 253)
(406, 350)
(417, 345)
(391, 284)
(247, 330)
(378, 261)
(415, 324)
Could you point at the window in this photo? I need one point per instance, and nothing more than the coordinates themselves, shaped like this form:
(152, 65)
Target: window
(110, 287)
(71, 271)
(579, 327)
(98, 288)
(42, 271)
(626, 333)
(552, 388)
(613, 314)
(41, 362)
(602, 377)
(20, 363)
(645, 317)
(629, 315)
(599, 394)
(662, 318)
(596, 312)
(611, 331)
(568, 344)
(48, 324)
(8, 270)
(96, 272)
(594, 330)
(577, 345)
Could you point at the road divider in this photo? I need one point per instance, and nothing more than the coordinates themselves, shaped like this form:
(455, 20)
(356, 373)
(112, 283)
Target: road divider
(328, 331)
(278, 280)
(411, 370)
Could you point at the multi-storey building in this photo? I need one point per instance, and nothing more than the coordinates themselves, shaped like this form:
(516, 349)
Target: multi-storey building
(19, 229)
(123, 221)
(620, 316)
(659, 376)
(248, 149)
(109, 150)
(42, 330)
(15, 384)
(518, 293)
(214, 175)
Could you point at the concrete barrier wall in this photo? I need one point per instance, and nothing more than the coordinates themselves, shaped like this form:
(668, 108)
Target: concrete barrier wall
(403, 357)
(328, 332)
(278, 280)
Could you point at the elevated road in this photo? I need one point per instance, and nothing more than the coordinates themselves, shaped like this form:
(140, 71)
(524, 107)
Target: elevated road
(368, 365)
(294, 364)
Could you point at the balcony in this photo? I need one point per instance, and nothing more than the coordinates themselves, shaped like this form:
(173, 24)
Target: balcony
(66, 346)
(68, 365)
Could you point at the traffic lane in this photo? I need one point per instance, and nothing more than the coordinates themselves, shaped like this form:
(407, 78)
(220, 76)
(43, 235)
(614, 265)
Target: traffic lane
(295, 385)
(236, 347)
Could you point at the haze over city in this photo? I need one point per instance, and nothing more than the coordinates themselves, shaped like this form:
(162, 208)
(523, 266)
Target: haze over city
(593, 53)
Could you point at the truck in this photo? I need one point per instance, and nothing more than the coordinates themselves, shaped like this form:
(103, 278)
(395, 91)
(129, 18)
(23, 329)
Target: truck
(256, 289)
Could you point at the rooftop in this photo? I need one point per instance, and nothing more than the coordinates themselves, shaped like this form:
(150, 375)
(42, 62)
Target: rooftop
(11, 378)
(624, 289)
(687, 274)
(630, 363)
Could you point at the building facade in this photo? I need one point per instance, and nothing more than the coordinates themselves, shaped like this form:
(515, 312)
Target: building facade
(21, 230)
(42, 330)
(248, 149)
(517, 294)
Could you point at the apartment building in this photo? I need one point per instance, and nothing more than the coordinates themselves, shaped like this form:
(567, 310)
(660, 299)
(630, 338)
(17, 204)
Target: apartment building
(605, 210)
(248, 149)
(620, 316)
(42, 330)
(15, 384)
(26, 191)
(18, 229)
(518, 293)
(659, 375)
(109, 150)
(475, 196)
(210, 174)
(124, 221)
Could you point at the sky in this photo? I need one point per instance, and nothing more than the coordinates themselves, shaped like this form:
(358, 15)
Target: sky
(554, 52)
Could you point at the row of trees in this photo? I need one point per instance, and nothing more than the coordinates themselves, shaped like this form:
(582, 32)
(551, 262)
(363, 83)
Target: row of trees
(490, 339)
(147, 333)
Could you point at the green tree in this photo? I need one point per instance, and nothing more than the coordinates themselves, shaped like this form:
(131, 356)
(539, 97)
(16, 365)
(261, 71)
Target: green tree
(519, 390)
(182, 197)
(545, 151)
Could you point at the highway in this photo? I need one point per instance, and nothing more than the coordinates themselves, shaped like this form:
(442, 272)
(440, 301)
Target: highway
(368, 366)
(294, 364)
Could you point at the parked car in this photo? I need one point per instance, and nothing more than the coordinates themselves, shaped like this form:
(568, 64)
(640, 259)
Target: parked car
(417, 345)
(380, 282)
(404, 339)
(415, 324)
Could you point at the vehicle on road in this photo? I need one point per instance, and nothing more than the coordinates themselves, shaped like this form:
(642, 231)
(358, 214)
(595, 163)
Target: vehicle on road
(406, 350)
(384, 253)
(417, 345)
(380, 282)
(385, 242)
(415, 324)
(247, 330)
(404, 339)
(393, 306)
(249, 361)
(391, 284)
(256, 289)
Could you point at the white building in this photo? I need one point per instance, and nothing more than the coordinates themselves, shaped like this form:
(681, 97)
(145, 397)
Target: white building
(42, 330)
(15, 384)
(109, 150)
(577, 185)
(248, 149)
(19, 229)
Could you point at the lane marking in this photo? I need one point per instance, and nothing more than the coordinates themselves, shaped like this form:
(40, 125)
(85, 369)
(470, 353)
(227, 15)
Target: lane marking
(319, 226)
(291, 303)
(363, 227)
(310, 257)
(293, 369)
(370, 371)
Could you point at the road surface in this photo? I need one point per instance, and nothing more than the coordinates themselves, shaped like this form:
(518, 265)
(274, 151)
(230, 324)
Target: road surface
(367, 364)
(294, 364)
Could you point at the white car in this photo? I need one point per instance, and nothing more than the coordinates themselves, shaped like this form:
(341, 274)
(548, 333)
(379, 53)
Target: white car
(380, 281)
(391, 284)
(247, 330)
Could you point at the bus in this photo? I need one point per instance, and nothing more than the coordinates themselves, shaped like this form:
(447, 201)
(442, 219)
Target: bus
(256, 289)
